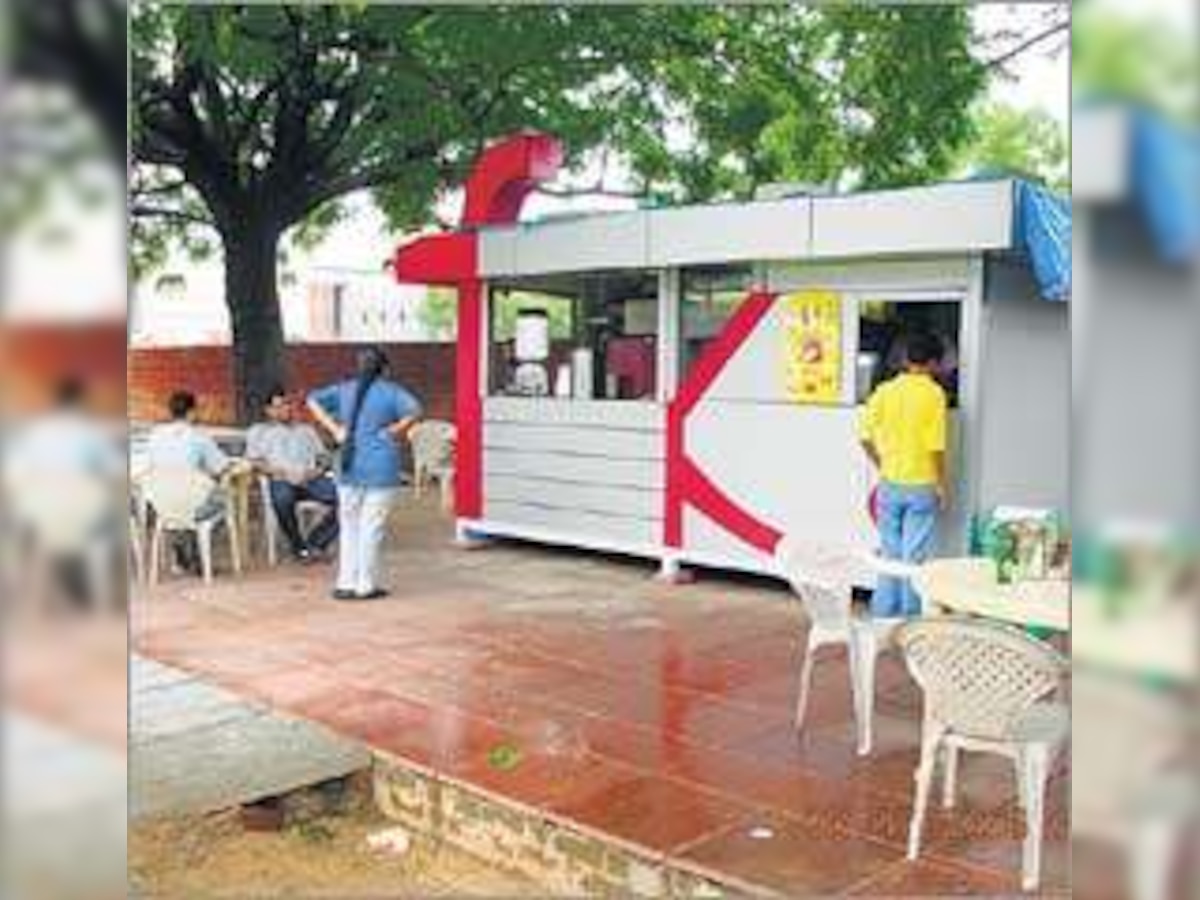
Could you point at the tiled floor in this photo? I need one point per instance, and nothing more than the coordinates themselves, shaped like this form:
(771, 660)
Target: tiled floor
(658, 715)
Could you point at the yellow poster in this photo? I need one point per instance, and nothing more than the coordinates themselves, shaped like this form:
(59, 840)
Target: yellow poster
(813, 346)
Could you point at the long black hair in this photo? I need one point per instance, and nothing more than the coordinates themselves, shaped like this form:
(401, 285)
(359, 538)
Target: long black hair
(372, 362)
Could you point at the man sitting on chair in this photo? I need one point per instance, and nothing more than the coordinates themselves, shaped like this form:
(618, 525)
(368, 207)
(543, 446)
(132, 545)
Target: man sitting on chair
(290, 453)
(181, 444)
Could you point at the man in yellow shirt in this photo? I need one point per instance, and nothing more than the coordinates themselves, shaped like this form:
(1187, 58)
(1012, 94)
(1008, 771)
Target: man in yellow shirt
(903, 431)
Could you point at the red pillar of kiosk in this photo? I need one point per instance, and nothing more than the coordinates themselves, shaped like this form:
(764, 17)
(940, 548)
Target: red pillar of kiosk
(502, 178)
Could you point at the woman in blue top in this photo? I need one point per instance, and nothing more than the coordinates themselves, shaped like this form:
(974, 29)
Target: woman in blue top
(368, 417)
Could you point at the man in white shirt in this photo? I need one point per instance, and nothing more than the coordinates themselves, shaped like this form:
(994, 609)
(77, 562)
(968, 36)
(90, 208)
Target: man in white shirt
(291, 454)
(180, 444)
(65, 449)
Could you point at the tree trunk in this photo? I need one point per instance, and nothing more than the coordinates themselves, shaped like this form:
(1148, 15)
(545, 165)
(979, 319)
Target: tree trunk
(252, 294)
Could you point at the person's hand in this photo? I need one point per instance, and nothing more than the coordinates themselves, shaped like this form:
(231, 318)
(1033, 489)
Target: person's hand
(338, 433)
(943, 497)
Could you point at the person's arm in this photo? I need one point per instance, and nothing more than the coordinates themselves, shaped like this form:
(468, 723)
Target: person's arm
(936, 442)
(320, 403)
(321, 455)
(867, 428)
(408, 414)
(256, 454)
(871, 450)
(404, 426)
(213, 459)
(943, 481)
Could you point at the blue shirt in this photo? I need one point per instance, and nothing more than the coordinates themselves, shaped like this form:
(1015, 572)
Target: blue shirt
(378, 456)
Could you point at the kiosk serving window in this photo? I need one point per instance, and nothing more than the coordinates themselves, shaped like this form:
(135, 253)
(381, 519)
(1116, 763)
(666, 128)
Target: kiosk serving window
(587, 336)
(710, 295)
(882, 327)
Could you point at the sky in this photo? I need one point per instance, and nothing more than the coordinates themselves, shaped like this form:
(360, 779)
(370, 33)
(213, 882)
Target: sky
(69, 279)
(1042, 81)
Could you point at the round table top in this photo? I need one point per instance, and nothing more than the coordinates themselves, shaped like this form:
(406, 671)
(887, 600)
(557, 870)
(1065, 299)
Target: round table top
(1157, 639)
(969, 585)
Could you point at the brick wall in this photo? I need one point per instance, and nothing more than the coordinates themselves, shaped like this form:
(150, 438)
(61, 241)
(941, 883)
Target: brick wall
(36, 357)
(425, 369)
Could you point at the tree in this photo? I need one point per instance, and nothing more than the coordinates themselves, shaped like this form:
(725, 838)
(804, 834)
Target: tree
(62, 112)
(438, 313)
(1028, 142)
(1142, 60)
(80, 47)
(251, 122)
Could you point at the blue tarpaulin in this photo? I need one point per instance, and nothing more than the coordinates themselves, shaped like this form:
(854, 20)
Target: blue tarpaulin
(1042, 231)
(1165, 184)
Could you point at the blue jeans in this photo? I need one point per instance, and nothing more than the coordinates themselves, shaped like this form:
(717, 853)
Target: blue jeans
(285, 496)
(907, 532)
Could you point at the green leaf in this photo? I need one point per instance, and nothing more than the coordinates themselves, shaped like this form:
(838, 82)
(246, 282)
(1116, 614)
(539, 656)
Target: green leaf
(504, 757)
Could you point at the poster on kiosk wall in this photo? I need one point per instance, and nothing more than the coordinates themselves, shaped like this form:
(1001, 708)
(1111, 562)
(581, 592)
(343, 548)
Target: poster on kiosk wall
(812, 324)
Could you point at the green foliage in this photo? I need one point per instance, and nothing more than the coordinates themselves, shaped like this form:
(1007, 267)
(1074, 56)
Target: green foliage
(507, 305)
(1028, 142)
(1141, 60)
(439, 313)
(291, 107)
(505, 757)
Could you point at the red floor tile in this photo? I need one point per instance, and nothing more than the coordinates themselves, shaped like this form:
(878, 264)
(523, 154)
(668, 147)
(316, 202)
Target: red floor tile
(925, 879)
(291, 689)
(542, 773)
(649, 811)
(792, 858)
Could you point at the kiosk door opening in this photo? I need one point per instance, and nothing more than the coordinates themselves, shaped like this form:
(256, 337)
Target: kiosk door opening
(882, 328)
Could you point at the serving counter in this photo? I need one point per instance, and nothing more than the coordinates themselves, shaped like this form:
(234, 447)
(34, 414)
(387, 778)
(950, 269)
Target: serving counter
(582, 472)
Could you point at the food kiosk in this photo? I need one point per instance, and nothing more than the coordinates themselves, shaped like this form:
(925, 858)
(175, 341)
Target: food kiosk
(705, 365)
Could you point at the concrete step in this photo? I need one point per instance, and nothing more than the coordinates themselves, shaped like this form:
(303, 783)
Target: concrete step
(194, 748)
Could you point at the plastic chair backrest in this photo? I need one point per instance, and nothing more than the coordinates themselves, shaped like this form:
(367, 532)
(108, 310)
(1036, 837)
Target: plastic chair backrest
(62, 510)
(978, 677)
(432, 443)
(820, 577)
(176, 494)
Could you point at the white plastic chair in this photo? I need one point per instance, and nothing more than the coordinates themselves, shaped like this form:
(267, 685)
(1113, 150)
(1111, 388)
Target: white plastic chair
(823, 579)
(1136, 789)
(306, 511)
(984, 685)
(433, 456)
(63, 512)
(137, 547)
(176, 495)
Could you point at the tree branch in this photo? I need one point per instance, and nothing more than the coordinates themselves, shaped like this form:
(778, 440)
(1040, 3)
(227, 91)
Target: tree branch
(1030, 42)
(144, 211)
(153, 190)
(307, 200)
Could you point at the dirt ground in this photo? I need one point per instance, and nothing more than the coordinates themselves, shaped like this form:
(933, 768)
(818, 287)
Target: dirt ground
(326, 857)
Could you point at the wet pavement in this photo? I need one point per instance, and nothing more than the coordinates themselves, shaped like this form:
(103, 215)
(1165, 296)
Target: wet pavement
(656, 715)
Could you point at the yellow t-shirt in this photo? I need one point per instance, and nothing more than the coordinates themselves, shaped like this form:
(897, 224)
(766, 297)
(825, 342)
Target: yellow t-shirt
(905, 418)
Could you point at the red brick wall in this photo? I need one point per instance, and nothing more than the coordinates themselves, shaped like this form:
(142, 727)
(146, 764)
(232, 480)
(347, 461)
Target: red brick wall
(35, 358)
(425, 369)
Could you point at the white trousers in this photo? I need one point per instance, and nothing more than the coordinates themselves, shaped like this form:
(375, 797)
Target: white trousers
(362, 519)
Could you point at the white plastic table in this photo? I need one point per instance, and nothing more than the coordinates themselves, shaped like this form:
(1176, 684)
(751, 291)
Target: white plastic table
(1159, 640)
(968, 585)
